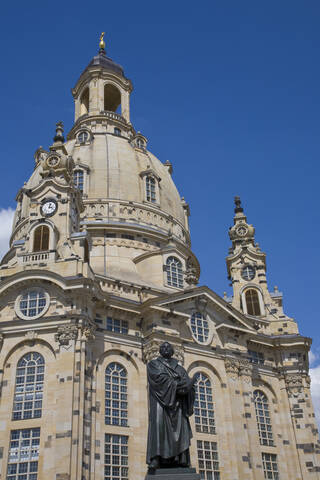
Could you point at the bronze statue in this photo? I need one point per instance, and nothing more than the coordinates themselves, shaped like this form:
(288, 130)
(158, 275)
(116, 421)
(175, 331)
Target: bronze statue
(171, 399)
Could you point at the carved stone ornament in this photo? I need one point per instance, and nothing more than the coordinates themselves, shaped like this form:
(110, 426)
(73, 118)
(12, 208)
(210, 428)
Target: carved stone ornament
(151, 351)
(245, 370)
(88, 332)
(294, 383)
(232, 368)
(66, 333)
(201, 304)
(31, 335)
(40, 155)
(191, 274)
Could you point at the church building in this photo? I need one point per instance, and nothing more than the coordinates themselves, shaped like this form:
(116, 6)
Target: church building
(99, 273)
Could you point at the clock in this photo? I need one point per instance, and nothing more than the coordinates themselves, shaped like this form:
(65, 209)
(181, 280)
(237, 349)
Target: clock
(49, 208)
(242, 231)
(53, 161)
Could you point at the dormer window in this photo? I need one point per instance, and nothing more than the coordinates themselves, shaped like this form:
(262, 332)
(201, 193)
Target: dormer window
(140, 143)
(78, 179)
(151, 189)
(83, 137)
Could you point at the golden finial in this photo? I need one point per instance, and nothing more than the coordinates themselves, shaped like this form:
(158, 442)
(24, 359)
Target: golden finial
(102, 45)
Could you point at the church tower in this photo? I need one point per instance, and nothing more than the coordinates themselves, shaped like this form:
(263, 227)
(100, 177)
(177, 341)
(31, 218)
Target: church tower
(99, 273)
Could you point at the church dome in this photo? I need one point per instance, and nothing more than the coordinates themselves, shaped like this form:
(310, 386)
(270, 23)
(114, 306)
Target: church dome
(132, 211)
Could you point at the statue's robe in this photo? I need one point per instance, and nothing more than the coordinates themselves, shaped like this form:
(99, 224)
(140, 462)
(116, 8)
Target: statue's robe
(170, 405)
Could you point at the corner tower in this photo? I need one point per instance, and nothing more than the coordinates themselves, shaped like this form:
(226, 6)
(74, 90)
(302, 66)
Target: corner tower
(246, 265)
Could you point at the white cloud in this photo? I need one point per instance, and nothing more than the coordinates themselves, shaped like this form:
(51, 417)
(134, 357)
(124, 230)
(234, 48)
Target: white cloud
(6, 219)
(312, 357)
(315, 391)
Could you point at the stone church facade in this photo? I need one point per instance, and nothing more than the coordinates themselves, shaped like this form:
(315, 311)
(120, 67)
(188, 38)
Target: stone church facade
(99, 273)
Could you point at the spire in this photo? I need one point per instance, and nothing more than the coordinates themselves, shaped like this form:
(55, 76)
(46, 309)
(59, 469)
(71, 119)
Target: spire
(237, 202)
(59, 138)
(241, 233)
(102, 44)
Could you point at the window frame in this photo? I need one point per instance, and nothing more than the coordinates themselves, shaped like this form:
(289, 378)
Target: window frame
(181, 283)
(262, 426)
(260, 299)
(206, 319)
(80, 170)
(151, 189)
(272, 460)
(28, 387)
(203, 405)
(17, 305)
(21, 450)
(204, 460)
(41, 227)
(111, 455)
(120, 395)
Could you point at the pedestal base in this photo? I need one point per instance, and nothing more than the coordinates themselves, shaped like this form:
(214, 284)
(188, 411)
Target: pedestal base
(173, 474)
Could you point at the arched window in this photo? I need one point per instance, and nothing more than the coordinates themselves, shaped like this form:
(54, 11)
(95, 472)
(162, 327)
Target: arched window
(78, 179)
(140, 143)
(117, 131)
(41, 239)
(151, 189)
(263, 418)
(29, 387)
(174, 272)
(116, 395)
(112, 98)
(84, 102)
(199, 327)
(252, 302)
(203, 406)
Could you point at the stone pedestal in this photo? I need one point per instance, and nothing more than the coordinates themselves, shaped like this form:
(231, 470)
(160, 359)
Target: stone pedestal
(173, 474)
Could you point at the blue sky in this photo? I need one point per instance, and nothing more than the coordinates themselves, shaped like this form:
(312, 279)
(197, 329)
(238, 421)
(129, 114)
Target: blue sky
(227, 91)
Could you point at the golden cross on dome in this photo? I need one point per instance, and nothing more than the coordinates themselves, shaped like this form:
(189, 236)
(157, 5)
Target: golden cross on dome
(102, 44)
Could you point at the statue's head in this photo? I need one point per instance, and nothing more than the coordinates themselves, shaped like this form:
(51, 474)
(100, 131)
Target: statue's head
(166, 350)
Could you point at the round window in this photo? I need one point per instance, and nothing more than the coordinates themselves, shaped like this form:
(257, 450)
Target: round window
(83, 137)
(248, 272)
(32, 304)
(199, 327)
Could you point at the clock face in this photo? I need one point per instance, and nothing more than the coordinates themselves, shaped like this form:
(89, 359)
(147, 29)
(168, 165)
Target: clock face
(53, 161)
(49, 208)
(242, 231)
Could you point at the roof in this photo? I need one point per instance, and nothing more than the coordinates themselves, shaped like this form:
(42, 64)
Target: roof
(105, 62)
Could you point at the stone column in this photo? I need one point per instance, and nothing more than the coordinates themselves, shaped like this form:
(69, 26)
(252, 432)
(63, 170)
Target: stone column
(241, 459)
(303, 422)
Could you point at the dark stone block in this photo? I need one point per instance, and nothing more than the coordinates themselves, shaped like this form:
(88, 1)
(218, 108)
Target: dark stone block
(173, 474)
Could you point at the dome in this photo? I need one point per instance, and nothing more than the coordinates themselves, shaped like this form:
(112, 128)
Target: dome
(105, 62)
(132, 212)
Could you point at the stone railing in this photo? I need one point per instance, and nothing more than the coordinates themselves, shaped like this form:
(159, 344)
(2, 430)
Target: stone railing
(113, 116)
(36, 257)
(113, 212)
